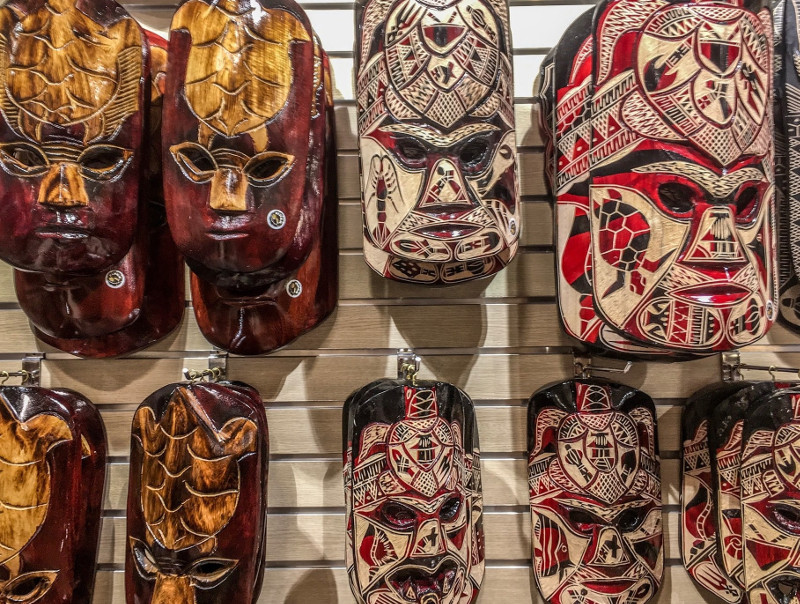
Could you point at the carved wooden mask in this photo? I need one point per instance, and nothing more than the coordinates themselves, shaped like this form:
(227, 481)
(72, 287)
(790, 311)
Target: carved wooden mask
(52, 469)
(436, 135)
(595, 493)
(99, 275)
(413, 494)
(699, 549)
(248, 166)
(660, 116)
(770, 479)
(197, 496)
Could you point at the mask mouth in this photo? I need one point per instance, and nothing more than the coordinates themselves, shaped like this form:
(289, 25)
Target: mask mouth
(449, 230)
(64, 232)
(610, 586)
(785, 589)
(425, 581)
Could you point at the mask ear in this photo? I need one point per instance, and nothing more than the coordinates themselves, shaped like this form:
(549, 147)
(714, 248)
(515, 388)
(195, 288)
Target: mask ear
(29, 587)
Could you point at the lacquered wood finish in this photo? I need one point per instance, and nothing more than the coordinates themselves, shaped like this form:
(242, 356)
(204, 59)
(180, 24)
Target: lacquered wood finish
(594, 475)
(249, 173)
(413, 494)
(661, 168)
(98, 274)
(699, 548)
(197, 497)
(770, 475)
(52, 457)
(440, 197)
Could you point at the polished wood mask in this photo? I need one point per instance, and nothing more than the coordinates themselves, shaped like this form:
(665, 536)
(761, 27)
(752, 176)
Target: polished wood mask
(660, 158)
(52, 473)
(595, 493)
(97, 275)
(197, 496)
(249, 170)
(440, 195)
(413, 494)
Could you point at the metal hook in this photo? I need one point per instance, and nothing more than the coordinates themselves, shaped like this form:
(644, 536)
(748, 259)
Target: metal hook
(584, 367)
(217, 369)
(732, 367)
(408, 364)
(771, 371)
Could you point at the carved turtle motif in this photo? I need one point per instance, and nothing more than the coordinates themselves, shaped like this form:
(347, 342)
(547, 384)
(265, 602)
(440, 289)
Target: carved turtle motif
(61, 67)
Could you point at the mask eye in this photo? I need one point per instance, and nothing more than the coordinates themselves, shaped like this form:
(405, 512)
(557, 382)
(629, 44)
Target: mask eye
(145, 561)
(267, 167)
(582, 519)
(630, 520)
(104, 162)
(22, 159)
(411, 151)
(196, 162)
(29, 587)
(210, 572)
(474, 153)
(676, 197)
(398, 515)
(787, 516)
(746, 202)
(449, 510)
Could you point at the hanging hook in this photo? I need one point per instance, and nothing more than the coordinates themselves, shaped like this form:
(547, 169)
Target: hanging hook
(408, 364)
(584, 367)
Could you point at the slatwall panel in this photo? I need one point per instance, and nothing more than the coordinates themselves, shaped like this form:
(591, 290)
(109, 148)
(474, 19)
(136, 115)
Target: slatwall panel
(498, 339)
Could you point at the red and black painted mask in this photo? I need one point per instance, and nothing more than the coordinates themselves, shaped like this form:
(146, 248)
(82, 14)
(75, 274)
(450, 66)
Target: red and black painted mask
(413, 494)
(52, 456)
(197, 496)
(97, 273)
(699, 545)
(440, 196)
(661, 159)
(595, 493)
(770, 494)
(248, 169)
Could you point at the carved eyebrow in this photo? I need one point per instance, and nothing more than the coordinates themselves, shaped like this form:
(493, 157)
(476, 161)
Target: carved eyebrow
(716, 184)
(440, 140)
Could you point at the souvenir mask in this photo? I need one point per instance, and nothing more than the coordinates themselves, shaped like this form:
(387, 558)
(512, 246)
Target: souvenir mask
(595, 492)
(197, 496)
(413, 494)
(662, 171)
(248, 164)
(84, 305)
(436, 135)
(698, 518)
(771, 500)
(787, 150)
(52, 462)
(725, 442)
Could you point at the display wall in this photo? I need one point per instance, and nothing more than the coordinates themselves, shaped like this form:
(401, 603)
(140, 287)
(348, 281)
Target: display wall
(498, 339)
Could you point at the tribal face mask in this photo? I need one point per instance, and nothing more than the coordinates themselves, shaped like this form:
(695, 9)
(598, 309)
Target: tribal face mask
(595, 493)
(436, 135)
(659, 120)
(413, 494)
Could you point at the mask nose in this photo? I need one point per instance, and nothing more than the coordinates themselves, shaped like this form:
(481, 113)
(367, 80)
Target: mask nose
(62, 187)
(610, 549)
(716, 239)
(429, 540)
(172, 589)
(445, 190)
(229, 191)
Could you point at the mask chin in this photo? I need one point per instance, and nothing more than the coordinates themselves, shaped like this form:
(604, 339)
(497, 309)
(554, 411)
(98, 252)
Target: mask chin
(785, 588)
(427, 580)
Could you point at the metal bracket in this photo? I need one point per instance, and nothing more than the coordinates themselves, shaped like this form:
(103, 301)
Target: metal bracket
(732, 367)
(30, 373)
(408, 364)
(584, 367)
(217, 369)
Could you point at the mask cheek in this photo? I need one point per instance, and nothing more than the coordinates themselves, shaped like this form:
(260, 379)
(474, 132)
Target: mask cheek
(646, 541)
(558, 549)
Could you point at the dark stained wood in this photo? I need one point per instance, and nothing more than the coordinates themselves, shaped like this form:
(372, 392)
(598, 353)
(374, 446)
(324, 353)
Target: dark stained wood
(197, 497)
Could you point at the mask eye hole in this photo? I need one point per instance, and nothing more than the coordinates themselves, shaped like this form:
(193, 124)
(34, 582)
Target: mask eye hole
(630, 519)
(582, 519)
(398, 515)
(23, 159)
(28, 587)
(450, 508)
(411, 151)
(145, 561)
(474, 153)
(104, 162)
(746, 202)
(210, 572)
(196, 163)
(266, 168)
(787, 516)
(676, 197)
